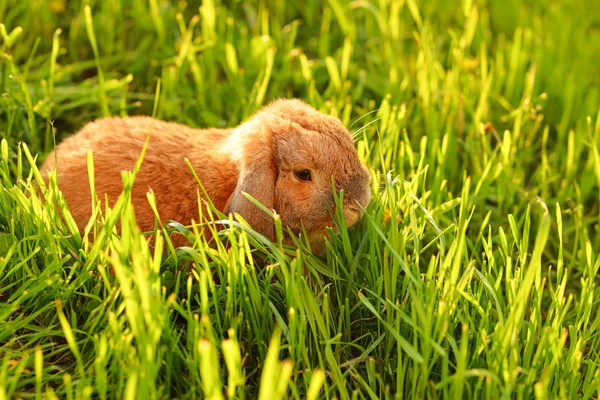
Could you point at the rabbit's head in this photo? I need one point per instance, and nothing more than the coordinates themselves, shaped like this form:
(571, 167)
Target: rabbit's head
(290, 157)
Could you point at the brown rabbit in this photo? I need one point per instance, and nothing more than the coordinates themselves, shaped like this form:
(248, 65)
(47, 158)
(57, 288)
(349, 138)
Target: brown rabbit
(285, 156)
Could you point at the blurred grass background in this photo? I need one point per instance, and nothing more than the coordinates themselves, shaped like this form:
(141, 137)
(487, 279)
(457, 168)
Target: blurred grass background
(473, 274)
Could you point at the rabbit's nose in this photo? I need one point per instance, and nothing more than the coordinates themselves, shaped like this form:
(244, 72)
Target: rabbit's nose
(352, 213)
(361, 198)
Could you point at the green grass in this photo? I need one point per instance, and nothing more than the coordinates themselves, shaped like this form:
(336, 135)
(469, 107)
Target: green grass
(472, 274)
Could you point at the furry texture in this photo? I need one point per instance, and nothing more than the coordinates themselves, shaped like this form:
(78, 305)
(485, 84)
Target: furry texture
(259, 157)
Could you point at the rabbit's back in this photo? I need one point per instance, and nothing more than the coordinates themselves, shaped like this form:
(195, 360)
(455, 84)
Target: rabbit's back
(116, 145)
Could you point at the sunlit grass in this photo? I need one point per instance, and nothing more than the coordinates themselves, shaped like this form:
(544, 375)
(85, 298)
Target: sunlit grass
(472, 274)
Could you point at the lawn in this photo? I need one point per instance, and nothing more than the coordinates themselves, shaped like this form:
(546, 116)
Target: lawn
(471, 275)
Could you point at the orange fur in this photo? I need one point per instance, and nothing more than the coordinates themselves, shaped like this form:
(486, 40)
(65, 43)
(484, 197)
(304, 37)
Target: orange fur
(258, 157)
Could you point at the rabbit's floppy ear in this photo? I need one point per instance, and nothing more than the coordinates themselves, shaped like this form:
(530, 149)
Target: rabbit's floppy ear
(257, 177)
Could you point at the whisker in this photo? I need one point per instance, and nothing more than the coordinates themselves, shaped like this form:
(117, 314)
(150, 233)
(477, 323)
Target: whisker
(355, 134)
(364, 115)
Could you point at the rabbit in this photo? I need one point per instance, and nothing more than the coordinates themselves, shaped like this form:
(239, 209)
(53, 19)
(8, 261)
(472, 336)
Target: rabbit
(285, 156)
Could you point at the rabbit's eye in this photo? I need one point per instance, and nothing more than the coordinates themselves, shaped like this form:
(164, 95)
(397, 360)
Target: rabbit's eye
(303, 174)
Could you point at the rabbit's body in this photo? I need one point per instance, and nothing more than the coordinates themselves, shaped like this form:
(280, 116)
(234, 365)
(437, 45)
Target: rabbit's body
(285, 157)
(117, 144)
